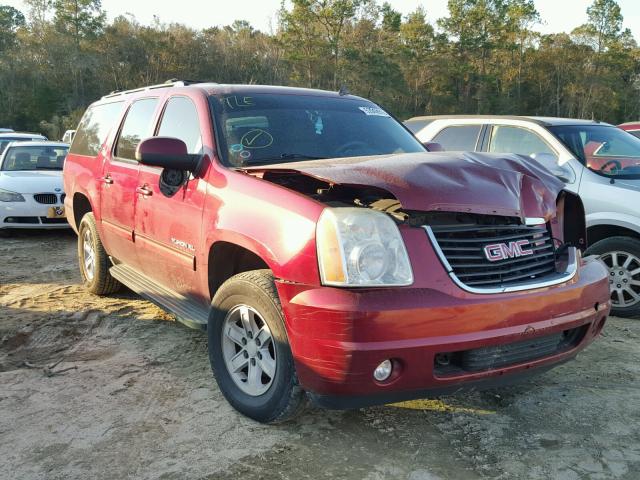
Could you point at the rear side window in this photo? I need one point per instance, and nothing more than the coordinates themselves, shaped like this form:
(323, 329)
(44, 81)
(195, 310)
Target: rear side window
(416, 125)
(507, 139)
(137, 126)
(635, 133)
(180, 120)
(94, 128)
(459, 138)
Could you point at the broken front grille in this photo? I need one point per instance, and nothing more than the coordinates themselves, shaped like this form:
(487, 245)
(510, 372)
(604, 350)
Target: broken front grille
(498, 255)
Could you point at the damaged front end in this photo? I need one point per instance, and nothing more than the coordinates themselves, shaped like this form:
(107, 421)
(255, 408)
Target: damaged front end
(510, 227)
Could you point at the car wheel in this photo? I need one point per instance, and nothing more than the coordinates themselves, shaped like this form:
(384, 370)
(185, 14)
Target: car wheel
(249, 350)
(94, 261)
(621, 255)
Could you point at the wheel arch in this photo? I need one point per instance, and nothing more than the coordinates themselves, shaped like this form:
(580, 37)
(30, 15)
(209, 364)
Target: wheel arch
(598, 232)
(81, 206)
(228, 258)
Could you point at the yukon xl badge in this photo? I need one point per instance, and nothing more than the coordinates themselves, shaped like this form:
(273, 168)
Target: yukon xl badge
(183, 244)
(502, 251)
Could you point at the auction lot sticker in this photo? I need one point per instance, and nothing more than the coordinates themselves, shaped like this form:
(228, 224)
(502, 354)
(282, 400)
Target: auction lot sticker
(375, 111)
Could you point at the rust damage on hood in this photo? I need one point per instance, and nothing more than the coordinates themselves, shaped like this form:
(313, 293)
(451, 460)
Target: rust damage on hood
(503, 185)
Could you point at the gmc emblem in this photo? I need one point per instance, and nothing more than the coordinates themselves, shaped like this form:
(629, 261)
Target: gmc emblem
(502, 251)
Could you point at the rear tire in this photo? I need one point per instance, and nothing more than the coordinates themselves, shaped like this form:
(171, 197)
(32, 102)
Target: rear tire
(621, 255)
(244, 310)
(93, 259)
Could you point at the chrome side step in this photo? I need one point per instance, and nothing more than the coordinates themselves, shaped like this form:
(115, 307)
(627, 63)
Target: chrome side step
(186, 311)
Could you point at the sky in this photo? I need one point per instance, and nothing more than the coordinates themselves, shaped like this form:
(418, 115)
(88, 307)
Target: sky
(557, 15)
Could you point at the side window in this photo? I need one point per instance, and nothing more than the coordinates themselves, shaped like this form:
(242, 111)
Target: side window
(416, 125)
(94, 128)
(137, 126)
(180, 120)
(507, 139)
(459, 138)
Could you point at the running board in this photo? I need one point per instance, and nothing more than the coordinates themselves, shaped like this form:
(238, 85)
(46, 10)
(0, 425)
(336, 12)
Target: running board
(186, 311)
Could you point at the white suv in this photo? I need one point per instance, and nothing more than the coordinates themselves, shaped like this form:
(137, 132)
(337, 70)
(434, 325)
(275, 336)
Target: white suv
(598, 161)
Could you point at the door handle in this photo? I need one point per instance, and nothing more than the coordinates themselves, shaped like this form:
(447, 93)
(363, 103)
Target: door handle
(107, 179)
(144, 191)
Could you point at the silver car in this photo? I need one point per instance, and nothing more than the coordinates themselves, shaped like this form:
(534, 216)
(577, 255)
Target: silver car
(598, 161)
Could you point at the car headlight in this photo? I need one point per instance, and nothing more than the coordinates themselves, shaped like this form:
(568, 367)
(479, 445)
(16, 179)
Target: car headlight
(358, 247)
(7, 196)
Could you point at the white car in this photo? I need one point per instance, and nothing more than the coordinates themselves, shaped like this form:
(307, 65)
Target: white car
(596, 160)
(7, 137)
(31, 193)
(68, 136)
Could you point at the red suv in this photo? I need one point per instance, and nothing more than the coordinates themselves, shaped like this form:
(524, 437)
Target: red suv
(326, 253)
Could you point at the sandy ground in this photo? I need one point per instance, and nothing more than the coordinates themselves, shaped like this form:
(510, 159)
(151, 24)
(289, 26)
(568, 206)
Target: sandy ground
(113, 388)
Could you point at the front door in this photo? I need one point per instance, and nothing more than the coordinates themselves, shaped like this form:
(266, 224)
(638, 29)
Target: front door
(120, 179)
(167, 226)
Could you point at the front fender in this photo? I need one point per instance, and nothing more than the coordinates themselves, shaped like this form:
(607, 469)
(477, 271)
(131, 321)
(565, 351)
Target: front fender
(275, 223)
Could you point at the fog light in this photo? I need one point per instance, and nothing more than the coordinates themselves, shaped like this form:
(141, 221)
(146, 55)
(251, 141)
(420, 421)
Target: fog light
(383, 371)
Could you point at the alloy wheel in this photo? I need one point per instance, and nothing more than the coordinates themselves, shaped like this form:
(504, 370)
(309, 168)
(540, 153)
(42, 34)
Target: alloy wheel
(624, 278)
(89, 255)
(248, 350)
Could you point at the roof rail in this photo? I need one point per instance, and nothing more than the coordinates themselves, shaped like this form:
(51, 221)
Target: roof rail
(174, 82)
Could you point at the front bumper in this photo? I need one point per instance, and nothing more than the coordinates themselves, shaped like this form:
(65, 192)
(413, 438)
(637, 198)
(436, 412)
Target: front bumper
(338, 336)
(29, 214)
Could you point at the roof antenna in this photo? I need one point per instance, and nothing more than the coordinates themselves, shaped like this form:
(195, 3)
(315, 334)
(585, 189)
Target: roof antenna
(343, 90)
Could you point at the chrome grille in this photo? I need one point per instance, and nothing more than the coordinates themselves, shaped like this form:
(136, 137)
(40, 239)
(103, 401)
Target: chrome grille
(46, 198)
(462, 248)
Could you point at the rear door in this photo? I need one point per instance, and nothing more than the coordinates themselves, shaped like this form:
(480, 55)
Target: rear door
(168, 227)
(120, 179)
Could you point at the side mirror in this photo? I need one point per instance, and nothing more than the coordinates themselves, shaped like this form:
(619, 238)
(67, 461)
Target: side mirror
(433, 147)
(168, 153)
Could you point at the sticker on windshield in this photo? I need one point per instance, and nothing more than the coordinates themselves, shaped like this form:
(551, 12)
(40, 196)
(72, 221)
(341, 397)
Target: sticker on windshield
(256, 138)
(234, 101)
(375, 111)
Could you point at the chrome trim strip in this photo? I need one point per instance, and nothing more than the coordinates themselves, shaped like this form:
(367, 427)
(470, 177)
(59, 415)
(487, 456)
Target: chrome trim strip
(557, 278)
(530, 221)
(436, 247)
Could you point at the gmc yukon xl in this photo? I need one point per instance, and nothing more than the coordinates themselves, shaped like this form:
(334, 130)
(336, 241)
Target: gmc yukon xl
(327, 254)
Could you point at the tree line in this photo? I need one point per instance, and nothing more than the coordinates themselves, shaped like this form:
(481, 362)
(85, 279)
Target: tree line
(484, 57)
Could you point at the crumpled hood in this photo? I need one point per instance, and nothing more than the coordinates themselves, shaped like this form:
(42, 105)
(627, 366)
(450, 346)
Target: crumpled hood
(505, 184)
(39, 181)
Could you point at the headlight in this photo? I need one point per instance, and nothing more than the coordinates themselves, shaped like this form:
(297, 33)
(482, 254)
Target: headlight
(358, 247)
(7, 196)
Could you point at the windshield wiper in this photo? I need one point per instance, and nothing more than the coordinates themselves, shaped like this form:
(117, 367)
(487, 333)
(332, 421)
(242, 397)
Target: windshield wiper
(284, 158)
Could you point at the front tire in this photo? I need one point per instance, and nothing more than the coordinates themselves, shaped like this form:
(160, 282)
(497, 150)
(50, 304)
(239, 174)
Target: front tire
(249, 350)
(621, 255)
(93, 259)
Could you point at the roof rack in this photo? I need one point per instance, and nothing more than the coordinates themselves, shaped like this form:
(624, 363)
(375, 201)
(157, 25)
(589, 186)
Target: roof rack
(173, 82)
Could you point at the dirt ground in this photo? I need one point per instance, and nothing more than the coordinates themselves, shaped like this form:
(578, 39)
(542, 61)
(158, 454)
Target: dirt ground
(113, 388)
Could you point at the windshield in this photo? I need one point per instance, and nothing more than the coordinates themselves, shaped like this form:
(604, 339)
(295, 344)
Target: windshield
(34, 158)
(262, 129)
(605, 150)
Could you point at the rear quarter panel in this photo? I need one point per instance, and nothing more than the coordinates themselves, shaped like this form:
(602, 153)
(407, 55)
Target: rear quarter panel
(81, 175)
